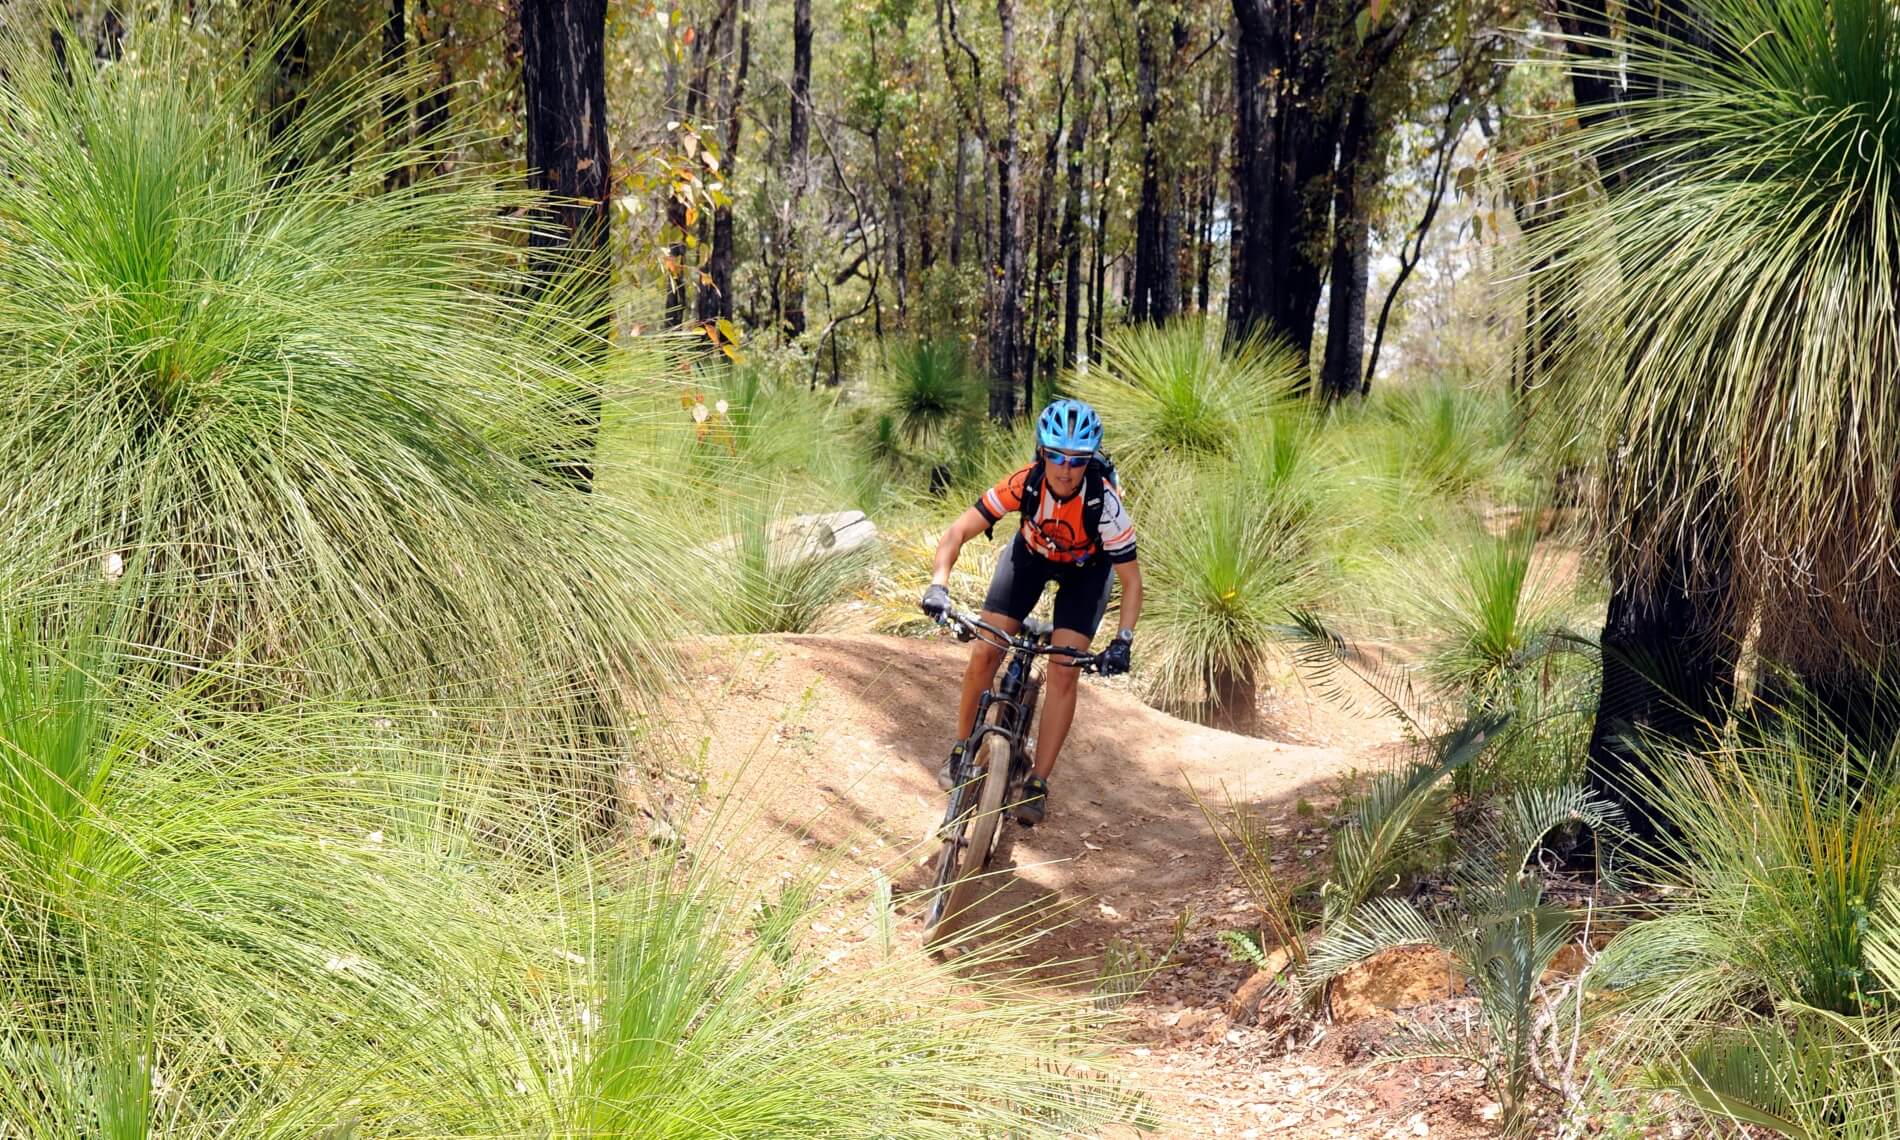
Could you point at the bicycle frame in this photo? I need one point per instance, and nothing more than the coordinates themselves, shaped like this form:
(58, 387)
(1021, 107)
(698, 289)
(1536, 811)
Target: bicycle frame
(1004, 710)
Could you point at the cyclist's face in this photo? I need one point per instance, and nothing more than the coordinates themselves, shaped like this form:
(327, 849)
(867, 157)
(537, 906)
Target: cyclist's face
(1063, 479)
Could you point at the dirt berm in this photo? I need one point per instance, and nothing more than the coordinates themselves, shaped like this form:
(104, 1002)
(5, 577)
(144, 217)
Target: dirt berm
(836, 739)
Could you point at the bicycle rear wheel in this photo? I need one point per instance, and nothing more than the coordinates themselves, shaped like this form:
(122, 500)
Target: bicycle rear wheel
(966, 853)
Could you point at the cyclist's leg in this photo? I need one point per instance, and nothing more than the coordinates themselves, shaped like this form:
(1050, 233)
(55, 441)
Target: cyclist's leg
(1058, 702)
(1014, 589)
(1081, 600)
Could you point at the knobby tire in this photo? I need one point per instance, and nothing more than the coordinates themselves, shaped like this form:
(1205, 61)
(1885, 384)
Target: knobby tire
(961, 864)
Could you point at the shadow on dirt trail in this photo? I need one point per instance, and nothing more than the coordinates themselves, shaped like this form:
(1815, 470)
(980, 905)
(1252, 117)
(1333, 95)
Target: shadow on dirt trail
(834, 740)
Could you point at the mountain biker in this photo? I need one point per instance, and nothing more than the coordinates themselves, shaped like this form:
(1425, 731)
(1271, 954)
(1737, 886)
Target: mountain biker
(1074, 529)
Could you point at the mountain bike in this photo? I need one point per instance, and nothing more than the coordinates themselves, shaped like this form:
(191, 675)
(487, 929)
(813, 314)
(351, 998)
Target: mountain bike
(996, 761)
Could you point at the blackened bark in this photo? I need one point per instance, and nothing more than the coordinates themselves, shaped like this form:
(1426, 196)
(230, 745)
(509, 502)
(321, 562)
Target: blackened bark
(1040, 361)
(395, 102)
(1283, 151)
(956, 205)
(288, 94)
(1165, 302)
(798, 168)
(1668, 679)
(433, 31)
(1098, 298)
(564, 96)
(110, 42)
(1071, 234)
(1006, 313)
(1204, 231)
(1150, 252)
(1341, 374)
(715, 292)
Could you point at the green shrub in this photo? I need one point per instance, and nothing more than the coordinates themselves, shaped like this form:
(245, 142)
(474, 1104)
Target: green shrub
(254, 931)
(1176, 391)
(1222, 563)
(315, 425)
(1787, 841)
(769, 576)
(1490, 613)
(930, 388)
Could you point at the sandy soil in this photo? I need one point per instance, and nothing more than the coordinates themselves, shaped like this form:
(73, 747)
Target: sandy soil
(832, 741)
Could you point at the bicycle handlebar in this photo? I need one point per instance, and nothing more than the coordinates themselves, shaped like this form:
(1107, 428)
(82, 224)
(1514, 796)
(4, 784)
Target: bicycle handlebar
(970, 625)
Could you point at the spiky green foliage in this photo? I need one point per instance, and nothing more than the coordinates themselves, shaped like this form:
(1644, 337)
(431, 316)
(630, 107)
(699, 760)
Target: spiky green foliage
(1787, 842)
(1176, 391)
(1226, 560)
(929, 388)
(1736, 334)
(774, 574)
(1399, 816)
(1500, 932)
(315, 425)
(1490, 613)
(257, 930)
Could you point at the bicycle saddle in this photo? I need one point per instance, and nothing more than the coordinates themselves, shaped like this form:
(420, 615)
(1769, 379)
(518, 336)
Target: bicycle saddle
(1037, 629)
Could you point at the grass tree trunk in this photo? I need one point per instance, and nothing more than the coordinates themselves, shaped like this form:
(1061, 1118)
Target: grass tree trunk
(1231, 698)
(798, 170)
(564, 89)
(1668, 656)
(1070, 240)
(1668, 677)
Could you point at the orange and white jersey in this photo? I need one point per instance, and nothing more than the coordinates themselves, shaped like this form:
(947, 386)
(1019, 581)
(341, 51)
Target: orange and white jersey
(1058, 532)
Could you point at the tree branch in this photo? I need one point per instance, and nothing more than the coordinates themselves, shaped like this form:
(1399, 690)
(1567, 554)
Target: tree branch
(971, 104)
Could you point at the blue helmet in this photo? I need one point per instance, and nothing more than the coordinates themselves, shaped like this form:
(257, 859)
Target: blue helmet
(1069, 425)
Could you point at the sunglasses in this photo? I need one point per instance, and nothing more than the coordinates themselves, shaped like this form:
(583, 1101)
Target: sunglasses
(1068, 459)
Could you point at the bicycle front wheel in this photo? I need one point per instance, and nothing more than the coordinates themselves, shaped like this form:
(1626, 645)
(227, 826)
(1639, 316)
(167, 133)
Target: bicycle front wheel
(965, 855)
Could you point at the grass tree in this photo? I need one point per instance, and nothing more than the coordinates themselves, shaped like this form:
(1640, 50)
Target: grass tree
(1736, 334)
(311, 424)
(1178, 391)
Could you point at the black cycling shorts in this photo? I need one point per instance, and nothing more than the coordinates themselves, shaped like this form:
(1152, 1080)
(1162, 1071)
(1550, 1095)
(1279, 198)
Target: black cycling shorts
(1021, 574)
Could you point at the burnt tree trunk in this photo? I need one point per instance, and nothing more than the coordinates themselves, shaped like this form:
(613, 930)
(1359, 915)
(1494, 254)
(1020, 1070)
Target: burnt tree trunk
(1341, 374)
(1150, 244)
(564, 89)
(1204, 231)
(433, 32)
(1283, 154)
(288, 93)
(1668, 678)
(1039, 361)
(956, 200)
(797, 171)
(1071, 233)
(1006, 309)
(715, 290)
(1098, 299)
(395, 103)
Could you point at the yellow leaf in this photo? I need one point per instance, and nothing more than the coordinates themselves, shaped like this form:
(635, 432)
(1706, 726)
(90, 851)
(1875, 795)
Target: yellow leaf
(692, 215)
(728, 330)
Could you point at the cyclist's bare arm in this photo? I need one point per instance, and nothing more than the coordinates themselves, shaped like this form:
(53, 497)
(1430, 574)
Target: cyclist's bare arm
(968, 525)
(1129, 573)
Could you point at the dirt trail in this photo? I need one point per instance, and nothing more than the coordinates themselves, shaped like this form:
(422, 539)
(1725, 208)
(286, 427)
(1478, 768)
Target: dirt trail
(834, 741)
